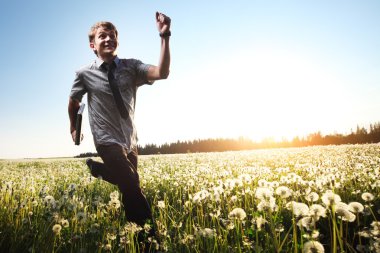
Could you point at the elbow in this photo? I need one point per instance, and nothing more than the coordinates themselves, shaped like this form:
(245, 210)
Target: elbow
(164, 74)
(73, 105)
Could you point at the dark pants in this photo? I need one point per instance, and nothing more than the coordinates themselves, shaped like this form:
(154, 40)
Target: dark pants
(120, 168)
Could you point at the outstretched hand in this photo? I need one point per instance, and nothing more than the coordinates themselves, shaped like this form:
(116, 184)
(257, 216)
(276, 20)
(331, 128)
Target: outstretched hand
(163, 22)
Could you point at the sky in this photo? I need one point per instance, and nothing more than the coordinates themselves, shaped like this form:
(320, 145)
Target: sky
(244, 68)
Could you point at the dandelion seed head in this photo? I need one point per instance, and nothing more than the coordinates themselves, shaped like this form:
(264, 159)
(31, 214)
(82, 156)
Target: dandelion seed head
(114, 195)
(201, 196)
(94, 228)
(111, 236)
(245, 178)
(65, 223)
(262, 183)
(32, 189)
(132, 227)
(298, 208)
(187, 239)
(375, 225)
(263, 193)
(314, 234)
(234, 199)
(107, 247)
(49, 199)
(206, 233)
(365, 234)
(81, 217)
(57, 229)
(267, 205)
(282, 170)
(260, 222)
(368, 197)
(312, 197)
(344, 214)
(283, 191)
(230, 226)
(313, 247)
(342, 205)
(237, 213)
(316, 211)
(216, 214)
(114, 203)
(329, 198)
(161, 204)
(306, 222)
(147, 227)
(356, 207)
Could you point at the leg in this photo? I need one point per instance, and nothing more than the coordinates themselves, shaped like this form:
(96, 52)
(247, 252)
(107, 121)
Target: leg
(98, 169)
(123, 169)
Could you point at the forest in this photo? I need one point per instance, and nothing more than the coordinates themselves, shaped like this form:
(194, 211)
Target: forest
(360, 135)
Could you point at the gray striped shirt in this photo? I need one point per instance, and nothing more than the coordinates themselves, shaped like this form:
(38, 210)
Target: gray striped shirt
(107, 125)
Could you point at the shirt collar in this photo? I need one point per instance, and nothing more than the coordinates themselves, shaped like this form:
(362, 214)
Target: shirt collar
(99, 62)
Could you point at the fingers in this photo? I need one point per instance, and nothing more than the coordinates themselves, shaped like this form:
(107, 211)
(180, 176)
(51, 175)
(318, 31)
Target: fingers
(73, 135)
(162, 18)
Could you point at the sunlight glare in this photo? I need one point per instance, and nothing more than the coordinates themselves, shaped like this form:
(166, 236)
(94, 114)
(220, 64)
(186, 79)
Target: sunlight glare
(267, 93)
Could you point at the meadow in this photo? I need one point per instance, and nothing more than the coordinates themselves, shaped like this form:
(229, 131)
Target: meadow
(314, 199)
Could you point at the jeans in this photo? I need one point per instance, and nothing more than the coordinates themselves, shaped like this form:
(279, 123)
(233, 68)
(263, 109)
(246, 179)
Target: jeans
(120, 168)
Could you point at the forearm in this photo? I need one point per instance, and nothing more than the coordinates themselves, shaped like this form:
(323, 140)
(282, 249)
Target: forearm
(162, 70)
(164, 61)
(73, 110)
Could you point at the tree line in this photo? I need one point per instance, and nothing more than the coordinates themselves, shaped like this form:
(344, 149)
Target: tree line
(360, 136)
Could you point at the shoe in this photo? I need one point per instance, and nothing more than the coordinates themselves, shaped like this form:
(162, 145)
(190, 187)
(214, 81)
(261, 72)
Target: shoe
(89, 163)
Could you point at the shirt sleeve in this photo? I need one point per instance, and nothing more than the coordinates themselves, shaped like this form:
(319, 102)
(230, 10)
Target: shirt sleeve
(142, 73)
(78, 90)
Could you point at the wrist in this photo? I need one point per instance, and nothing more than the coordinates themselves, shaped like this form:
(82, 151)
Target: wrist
(165, 34)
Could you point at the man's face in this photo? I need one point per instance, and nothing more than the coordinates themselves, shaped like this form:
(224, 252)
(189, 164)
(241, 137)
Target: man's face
(105, 43)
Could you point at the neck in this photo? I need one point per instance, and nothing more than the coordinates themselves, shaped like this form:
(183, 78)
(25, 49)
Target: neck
(107, 58)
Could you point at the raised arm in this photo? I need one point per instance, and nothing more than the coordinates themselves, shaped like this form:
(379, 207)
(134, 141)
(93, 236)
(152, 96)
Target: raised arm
(73, 110)
(162, 70)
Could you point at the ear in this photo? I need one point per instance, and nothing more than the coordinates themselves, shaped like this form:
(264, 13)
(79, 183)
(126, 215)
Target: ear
(92, 46)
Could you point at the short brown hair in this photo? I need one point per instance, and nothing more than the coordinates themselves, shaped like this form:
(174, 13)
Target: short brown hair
(105, 24)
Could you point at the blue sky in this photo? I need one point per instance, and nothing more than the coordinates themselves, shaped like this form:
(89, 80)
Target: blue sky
(239, 68)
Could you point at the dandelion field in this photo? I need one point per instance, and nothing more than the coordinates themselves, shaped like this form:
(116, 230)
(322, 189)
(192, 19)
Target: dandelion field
(315, 199)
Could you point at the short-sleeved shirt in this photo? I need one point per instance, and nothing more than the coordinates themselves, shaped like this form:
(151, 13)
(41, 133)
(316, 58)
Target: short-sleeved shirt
(107, 125)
